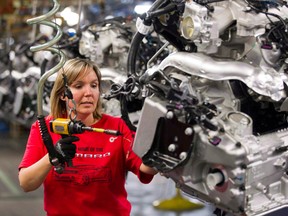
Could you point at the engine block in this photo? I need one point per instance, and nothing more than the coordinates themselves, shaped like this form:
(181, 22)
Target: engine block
(230, 167)
(215, 113)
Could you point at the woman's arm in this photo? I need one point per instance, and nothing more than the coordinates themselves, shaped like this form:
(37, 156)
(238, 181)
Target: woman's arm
(147, 169)
(30, 178)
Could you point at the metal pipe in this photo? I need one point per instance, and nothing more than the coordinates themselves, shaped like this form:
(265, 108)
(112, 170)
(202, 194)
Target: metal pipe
(45, 20)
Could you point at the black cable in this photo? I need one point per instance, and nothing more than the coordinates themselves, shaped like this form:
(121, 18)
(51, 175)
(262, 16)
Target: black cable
(125, 114)
(136, 42)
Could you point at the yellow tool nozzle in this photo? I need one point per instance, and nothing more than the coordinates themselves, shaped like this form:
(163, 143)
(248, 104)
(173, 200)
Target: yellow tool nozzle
(98, 130)
(101, 130)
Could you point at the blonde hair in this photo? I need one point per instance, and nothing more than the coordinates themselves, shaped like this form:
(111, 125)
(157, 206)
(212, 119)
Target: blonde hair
(72, 69)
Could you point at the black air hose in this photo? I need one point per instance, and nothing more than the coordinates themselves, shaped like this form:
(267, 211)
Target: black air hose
(136, 41)
(48, 142)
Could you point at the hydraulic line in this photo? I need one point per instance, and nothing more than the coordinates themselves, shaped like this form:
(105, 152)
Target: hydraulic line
(136, 41)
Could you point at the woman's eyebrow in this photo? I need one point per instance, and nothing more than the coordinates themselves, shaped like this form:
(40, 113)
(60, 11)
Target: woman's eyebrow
(77, 81)
(81, 81)
(95, 81)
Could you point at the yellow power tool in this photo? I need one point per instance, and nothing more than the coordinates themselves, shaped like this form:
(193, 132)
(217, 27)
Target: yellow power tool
(65, 126)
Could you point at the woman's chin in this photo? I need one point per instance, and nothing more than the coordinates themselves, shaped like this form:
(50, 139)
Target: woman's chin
(86, 110)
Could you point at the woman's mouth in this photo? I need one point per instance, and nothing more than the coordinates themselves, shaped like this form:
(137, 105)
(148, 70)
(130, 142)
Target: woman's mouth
(87, 103)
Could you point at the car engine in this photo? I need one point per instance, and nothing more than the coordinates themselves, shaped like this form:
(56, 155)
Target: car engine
(214, 117)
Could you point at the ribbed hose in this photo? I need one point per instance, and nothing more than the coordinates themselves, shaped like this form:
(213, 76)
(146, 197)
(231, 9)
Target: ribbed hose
(132, 55)
(46, 136)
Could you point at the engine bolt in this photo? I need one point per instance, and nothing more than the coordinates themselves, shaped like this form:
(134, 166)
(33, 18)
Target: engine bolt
(169, 115)
(238, 144)
(183, 155)
(242, 188)
(188, 131)
(172, 147)
(241, 208)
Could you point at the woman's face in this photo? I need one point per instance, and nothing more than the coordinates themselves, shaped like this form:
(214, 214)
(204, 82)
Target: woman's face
(86, 94)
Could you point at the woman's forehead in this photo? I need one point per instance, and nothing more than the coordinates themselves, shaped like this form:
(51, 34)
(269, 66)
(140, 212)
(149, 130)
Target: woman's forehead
(87, 73)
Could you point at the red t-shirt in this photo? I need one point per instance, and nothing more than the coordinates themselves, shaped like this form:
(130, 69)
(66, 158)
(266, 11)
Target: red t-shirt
(95, 185)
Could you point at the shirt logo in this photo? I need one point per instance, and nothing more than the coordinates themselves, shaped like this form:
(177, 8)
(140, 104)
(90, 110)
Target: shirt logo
(87, 155)
(112, 139)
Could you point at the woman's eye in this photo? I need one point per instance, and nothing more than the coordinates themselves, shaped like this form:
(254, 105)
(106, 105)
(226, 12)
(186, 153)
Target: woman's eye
(78, 86)
(94, 85)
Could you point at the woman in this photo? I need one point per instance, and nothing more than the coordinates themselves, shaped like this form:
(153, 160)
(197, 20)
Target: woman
(94, 185)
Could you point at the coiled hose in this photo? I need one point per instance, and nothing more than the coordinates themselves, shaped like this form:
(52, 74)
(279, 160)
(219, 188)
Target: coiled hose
(46, 137)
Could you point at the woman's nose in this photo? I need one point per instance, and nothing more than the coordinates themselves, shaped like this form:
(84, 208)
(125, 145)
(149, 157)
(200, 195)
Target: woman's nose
(88, 90)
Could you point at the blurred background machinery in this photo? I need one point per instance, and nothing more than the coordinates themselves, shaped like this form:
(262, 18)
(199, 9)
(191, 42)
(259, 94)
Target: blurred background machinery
(201, 71)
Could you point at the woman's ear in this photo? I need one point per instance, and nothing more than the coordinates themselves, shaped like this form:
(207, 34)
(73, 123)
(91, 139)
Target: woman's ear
(62, 97)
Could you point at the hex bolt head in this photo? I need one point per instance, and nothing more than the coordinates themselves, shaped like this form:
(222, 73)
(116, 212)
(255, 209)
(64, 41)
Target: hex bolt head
(188, 131)
(183, 155)
(172, 147)
(169, 115)
(238, 144)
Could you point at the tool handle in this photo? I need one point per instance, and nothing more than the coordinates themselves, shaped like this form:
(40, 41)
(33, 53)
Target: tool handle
(69, 163)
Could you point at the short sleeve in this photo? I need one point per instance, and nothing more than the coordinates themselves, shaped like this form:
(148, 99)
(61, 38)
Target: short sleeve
(133, 161)
(35, 148)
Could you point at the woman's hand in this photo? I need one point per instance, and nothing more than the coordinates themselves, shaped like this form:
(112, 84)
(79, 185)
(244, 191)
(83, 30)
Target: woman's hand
(148, 170)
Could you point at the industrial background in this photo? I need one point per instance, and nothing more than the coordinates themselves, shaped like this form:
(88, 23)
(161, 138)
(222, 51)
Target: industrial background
(220, 66)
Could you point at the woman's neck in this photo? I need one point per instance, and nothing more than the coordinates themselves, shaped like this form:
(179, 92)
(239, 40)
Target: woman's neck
(87, 120)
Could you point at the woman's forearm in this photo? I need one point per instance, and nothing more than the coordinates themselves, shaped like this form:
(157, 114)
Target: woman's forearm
(30, 178)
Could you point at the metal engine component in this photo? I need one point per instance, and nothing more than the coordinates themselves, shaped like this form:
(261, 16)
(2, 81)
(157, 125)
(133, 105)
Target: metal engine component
(215, 118)
(204, 26)
(230, 167)
(106, 43)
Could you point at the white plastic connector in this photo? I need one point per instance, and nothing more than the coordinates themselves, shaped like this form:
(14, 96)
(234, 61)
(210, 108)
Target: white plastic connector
(213, 179)
(142, 28)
